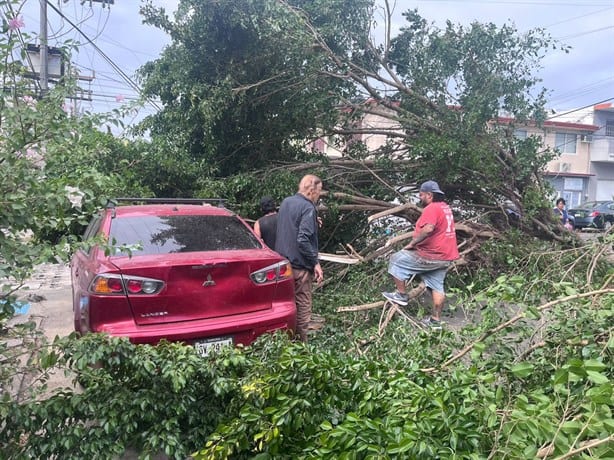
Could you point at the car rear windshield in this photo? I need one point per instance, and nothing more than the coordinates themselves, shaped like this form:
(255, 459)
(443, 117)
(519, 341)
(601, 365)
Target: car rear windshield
(168, 234)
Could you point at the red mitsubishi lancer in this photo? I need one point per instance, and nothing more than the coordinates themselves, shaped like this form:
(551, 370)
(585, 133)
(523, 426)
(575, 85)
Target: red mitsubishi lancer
(180, 271)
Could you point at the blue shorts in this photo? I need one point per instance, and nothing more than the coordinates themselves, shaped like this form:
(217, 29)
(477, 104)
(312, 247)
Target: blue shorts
(404, 264)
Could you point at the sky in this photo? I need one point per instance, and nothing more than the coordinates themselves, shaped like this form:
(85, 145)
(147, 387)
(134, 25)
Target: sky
(580, 78)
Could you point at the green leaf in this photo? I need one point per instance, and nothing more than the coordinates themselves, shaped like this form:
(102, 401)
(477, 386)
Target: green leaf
(533, 313)
(326, 425)
(571, 426)
(596, 377)
(404, 446)
(560, 376)
(594, 365)
(522, 370)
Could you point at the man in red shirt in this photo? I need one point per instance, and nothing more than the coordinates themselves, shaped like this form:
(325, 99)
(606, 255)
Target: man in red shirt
(429, 254)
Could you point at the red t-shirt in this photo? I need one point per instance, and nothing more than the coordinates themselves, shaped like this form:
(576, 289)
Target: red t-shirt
(441, 243)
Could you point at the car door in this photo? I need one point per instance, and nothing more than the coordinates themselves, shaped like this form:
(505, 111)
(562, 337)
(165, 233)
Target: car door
(83, 266)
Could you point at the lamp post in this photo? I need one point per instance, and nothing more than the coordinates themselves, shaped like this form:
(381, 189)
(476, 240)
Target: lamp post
(43, 48)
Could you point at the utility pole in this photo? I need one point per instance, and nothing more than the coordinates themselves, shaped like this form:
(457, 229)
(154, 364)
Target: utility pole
(43, 49)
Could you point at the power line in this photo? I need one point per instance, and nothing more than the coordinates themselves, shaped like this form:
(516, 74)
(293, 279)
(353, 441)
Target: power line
(106, 58)
(580, 34)
(580, 108)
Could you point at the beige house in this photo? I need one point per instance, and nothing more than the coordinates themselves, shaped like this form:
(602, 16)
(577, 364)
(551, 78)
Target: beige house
(570, 172)
(593, 162)
(378, 126)
(583, 170)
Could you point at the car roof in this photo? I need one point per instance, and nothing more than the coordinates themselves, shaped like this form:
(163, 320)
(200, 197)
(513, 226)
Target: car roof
(169, 209)
(592, 204)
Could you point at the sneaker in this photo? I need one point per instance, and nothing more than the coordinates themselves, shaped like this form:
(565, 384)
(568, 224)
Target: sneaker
(396, 297)
(430, 322)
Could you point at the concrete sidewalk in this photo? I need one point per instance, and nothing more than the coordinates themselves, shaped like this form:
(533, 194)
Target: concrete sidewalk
(45, 299)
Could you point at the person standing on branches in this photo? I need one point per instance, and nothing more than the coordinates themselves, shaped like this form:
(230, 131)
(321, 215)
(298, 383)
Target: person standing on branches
(429, 254)
(297, 241)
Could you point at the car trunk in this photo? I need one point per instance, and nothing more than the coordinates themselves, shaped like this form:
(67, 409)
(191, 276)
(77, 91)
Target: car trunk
(199, 285)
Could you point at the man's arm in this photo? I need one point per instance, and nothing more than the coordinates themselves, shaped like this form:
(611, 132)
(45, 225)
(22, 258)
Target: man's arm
(304, 238)
(420, 235)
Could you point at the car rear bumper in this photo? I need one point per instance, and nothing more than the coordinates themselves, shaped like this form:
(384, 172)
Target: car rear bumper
(584, 223)
(243, 329)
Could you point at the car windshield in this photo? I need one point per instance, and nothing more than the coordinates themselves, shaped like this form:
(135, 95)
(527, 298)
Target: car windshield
(186, 233)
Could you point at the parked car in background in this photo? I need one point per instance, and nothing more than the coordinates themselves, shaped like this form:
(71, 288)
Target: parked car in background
(593, 214)
(194, 273)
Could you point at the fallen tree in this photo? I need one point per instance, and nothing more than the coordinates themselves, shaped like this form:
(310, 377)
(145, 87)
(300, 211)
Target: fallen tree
(293, 75)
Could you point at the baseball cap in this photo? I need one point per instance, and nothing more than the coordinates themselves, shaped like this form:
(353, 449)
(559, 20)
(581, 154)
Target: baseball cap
(430, 186)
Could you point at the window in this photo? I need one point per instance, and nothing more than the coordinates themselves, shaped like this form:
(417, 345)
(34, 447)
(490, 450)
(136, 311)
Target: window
(565, 142)
(182, 233)
(572, 191)
(91, 231)
(609, 128)
(520, 134)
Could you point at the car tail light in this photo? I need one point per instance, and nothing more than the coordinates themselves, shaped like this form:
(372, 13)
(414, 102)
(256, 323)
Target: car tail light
(273, 273)
(117, 284)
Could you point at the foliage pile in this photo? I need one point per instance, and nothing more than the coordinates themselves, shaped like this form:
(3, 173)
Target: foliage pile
(527, 379)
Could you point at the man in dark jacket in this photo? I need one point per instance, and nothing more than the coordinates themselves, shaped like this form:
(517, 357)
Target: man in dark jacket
(297, 241)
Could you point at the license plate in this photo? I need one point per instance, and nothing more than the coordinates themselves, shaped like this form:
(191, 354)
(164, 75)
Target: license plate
(205, 347)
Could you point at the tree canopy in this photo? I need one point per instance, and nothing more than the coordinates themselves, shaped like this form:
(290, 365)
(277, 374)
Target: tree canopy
(246, 83)
(241, 80)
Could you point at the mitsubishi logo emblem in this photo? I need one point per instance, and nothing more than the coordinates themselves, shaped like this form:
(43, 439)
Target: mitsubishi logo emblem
(209, 281)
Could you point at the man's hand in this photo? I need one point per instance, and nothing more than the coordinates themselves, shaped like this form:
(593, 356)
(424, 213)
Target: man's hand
(318, 273)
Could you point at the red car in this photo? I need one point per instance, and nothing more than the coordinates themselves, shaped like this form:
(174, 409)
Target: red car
(194, 273)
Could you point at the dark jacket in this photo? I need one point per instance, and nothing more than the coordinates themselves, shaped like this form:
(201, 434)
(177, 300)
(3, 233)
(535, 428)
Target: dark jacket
(297, 232)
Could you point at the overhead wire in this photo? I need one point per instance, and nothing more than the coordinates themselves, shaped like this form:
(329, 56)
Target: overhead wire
(558, 115)
(126, 78)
